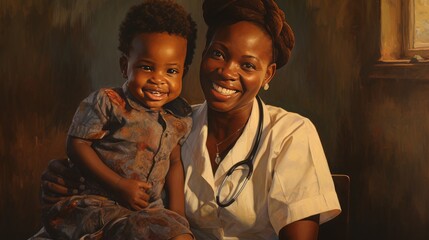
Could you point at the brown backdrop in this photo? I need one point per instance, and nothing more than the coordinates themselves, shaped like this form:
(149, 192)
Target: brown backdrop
(53, 53)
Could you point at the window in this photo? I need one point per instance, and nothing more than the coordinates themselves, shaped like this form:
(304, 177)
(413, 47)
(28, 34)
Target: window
(404, 45)
(404, 29)
(416, 18)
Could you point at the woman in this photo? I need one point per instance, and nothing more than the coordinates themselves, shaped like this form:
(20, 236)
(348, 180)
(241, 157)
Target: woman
(290, 189)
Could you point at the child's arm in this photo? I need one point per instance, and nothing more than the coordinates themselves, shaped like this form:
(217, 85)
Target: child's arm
(175, 183)
(131, 192)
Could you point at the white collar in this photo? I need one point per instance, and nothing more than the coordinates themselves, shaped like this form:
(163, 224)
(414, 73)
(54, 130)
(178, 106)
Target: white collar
(241, 150)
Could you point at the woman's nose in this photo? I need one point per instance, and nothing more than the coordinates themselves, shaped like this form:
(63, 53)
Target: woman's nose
(229, 71)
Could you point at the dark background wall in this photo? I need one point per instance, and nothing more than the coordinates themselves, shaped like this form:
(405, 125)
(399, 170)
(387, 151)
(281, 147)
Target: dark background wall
(53, 53)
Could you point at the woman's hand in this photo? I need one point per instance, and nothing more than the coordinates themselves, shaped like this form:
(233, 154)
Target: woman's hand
(133, 193)
(60, 180)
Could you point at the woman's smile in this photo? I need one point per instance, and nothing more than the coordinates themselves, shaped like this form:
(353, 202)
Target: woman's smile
(224, 91)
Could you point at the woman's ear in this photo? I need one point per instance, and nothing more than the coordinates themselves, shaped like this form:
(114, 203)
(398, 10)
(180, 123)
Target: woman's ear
(269, 74)
(123, 65)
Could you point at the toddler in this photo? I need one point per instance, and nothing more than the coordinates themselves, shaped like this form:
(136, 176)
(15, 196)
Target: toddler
(126, 140)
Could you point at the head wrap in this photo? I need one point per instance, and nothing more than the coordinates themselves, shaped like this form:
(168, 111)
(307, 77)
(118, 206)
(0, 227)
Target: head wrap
(265, 13)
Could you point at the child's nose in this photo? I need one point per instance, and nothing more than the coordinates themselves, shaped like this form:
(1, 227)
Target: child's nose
(157, 78)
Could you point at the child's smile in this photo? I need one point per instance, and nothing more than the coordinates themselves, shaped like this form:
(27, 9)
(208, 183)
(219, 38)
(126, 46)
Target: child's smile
(155, 94)
(155, 68)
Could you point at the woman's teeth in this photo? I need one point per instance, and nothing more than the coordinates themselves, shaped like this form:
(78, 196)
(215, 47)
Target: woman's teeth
(223, 91)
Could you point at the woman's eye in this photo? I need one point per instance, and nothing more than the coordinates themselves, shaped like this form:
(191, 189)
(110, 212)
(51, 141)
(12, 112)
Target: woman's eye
(249, 66)
(172, 71)
(217, 54)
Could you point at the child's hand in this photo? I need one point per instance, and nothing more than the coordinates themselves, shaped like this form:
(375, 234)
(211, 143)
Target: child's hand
(133, 193)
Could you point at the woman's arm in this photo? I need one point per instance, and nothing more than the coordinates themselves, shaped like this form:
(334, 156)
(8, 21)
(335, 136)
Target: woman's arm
(304, 229)
(175, 183)
(131, 192)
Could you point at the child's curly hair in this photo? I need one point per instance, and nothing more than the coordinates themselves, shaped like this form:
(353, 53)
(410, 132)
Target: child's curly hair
(156, 16)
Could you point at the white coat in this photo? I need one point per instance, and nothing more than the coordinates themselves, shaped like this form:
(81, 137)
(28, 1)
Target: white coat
(291, 178)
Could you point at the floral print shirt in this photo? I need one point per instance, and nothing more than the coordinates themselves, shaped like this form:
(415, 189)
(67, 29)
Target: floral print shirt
(132, 140)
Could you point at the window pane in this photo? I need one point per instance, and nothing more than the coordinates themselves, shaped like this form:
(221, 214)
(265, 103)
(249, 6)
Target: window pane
(421, 23)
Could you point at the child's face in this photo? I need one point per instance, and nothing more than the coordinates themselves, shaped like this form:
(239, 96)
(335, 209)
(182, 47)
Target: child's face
(155, 67)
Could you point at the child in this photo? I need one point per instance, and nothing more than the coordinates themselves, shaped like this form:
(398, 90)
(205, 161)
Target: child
(126, 141)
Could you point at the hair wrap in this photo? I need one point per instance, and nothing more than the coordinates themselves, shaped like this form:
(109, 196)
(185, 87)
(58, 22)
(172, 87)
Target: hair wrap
(265, 13)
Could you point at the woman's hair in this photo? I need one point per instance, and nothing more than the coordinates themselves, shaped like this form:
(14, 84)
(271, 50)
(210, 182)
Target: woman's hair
(157, 16)
(265, 13)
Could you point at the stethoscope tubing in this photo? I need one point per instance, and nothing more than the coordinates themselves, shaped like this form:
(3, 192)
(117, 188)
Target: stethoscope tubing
(248, 161)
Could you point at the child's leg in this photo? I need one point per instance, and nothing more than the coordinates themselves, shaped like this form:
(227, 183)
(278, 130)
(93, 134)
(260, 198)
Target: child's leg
(151, 223)
(80, 215)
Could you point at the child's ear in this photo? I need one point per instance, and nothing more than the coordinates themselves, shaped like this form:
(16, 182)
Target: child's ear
(123, 65)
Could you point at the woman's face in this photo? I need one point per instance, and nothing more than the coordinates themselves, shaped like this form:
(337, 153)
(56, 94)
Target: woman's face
(236, 63)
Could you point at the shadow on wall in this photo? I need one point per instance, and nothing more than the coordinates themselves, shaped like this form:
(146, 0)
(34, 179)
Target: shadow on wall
(44, 75)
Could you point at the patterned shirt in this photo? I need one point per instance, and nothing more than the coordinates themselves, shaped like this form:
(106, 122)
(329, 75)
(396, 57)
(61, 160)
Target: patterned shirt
(132, 140)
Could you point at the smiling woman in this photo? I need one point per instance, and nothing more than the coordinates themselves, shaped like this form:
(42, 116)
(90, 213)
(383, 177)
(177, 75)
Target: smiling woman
(244, 181)
(241, 53)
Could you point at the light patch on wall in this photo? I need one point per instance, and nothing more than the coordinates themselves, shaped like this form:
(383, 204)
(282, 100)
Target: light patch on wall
(64, 13)
(343, 19)
(73, 12)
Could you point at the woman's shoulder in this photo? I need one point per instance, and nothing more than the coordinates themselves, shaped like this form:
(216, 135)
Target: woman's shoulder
(285, 120)
(278, 114)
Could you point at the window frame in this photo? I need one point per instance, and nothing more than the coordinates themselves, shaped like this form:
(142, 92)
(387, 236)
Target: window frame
(394, 63)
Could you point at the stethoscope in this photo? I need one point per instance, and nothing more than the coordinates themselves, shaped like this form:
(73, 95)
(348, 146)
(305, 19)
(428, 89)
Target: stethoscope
(246, 162)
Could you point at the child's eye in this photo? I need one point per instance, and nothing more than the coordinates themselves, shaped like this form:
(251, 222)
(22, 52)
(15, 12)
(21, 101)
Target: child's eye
(146, 68)
(217, 54)
(173, 71)
(249, 66)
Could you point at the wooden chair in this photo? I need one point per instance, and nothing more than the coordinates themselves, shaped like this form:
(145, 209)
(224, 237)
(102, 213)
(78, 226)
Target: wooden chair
(338, 228)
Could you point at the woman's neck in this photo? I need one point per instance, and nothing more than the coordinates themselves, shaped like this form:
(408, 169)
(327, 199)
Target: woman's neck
(224, 128)
(223, 124)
